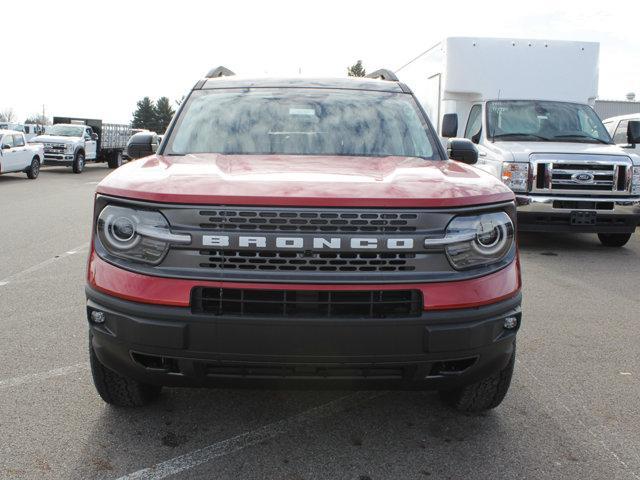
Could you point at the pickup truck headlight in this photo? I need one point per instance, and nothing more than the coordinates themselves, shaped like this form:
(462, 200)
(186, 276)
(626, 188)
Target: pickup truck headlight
(69, 148)
(476, 241)
(635, 181)
(516, 176)
(138, 235)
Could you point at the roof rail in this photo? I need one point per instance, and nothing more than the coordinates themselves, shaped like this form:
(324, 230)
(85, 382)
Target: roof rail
(383, 74)
(219, 72)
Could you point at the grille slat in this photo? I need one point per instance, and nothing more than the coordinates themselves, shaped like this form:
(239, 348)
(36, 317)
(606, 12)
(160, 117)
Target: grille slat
(306, 303)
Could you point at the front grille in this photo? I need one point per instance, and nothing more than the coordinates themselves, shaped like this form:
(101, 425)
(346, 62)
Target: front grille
(604, 177)
(308, 261)
(555, 173)
(272, 220)
(54, 147)
(306, 303)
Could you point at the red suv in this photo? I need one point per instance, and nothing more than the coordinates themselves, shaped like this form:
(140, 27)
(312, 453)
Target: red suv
(303, 231)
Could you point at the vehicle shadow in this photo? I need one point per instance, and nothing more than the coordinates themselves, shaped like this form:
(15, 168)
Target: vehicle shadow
(567, 242)
(395, 434)
(12, 177)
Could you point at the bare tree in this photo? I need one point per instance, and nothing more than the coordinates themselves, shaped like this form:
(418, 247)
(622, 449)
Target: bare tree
(38, 119)
(7, 115)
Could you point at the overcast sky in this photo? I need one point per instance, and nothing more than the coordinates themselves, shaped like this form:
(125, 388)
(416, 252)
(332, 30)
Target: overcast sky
(97, 58)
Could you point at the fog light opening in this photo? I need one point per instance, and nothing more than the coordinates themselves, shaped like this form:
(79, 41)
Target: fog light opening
(511, 323)
(97, 316)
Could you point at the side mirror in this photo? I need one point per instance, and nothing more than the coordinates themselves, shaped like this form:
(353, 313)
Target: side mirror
(450, 125)
(142, 145)
(94, 136)
(5, 146)
(462, 150)
(633, 132)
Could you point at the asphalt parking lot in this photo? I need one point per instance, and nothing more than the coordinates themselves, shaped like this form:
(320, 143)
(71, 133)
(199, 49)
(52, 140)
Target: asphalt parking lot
(573, 410)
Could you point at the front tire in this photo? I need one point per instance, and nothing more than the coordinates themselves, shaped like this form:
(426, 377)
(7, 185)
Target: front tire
(116, 389)
(78, 163)
(483, 395)
(614, 239)
(34, 169)
(115, 160)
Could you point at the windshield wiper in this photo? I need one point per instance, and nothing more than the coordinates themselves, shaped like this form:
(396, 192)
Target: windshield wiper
(588, 137)
(532, 135)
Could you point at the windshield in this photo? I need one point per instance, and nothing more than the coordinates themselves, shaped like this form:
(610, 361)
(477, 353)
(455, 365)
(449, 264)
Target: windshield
(65, 130)
(302, 122)
(510, 120)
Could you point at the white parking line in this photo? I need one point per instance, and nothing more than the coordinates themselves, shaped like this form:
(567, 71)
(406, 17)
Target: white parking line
(15, 276)
(36, 377)
(248, 439)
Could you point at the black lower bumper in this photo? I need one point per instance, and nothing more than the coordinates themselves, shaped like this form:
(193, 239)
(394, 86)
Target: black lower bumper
(66, 161)
(562, 222)
(173, 346)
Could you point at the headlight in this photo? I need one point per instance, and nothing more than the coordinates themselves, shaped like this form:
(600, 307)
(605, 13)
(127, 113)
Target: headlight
(635, 181)
(516, 176)
(139, 235)
(475, 241)
(70, 148)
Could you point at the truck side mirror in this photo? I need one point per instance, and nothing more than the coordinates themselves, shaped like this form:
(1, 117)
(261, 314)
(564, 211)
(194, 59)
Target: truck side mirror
(633, 132)
(94, 136)
(142, 144)
(462, 150)
(6, 146)
(450, 125)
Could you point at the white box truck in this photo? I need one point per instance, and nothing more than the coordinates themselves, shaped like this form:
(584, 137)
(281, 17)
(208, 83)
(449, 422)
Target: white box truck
(526, 105)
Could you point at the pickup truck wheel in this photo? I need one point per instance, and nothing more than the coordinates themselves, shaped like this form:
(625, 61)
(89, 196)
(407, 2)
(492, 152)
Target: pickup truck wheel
(115, 160)
(614, 239)
(483, 395)
(116, 389)
(34, 169)
(78, 163)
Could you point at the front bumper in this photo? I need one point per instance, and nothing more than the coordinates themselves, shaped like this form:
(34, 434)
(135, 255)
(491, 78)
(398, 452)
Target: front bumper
(172, 346)
(58, 159)
(541, 213)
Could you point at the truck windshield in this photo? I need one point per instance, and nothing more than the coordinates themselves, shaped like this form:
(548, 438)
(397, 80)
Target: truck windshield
(511, 120)
(65, 130)
(302, 122)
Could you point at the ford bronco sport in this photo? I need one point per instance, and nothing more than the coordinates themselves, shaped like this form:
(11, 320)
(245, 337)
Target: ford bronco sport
(297, 231)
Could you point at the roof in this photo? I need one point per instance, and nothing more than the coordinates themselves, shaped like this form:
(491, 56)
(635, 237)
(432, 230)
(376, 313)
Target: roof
(349, 83)
(12, 132)
(631, 116)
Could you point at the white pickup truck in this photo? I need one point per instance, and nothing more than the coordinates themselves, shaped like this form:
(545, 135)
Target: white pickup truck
(71, 142)
(16, 155)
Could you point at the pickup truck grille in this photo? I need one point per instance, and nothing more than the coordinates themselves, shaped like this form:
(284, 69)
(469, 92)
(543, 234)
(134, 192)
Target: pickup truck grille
(54, 147)
(307, 303)
(609, 176)
(271, 220)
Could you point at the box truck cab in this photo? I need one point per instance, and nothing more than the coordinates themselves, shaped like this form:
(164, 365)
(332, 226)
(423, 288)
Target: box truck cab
(526, 105)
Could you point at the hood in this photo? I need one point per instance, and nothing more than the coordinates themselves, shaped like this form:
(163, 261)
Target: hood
(520, 151)
(54, 139)
(304, 181)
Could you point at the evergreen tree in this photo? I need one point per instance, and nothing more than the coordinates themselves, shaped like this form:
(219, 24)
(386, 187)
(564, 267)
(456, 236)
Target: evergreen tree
(356, 70)
(145, 115)
(164, 114)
